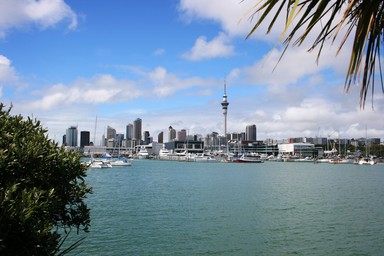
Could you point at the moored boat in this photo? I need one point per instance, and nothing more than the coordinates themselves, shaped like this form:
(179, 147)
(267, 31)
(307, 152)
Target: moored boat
(247, 159)
(366, 161)
(122, 161)
(143, 153)
(99, 163)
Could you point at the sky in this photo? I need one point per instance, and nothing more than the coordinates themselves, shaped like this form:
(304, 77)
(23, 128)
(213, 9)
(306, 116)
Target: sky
(90, 65)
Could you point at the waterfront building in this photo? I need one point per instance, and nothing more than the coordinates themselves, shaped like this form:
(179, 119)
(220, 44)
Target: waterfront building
(71, 136)
(171, 134)
(237, 136)
(299, 149)
(95, 151)
(64, 139)
(250, 133)
(320, 141)
(211, 141)
(179, 147)
(84, 138)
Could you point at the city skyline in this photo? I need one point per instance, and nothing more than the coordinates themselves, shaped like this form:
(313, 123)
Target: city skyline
(166, 62)
(248, 134)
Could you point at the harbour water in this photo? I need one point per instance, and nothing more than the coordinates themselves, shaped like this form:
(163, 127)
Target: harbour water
(180, 208)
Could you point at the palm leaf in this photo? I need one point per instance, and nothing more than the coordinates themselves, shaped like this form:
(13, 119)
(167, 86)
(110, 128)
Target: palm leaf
(363, 18)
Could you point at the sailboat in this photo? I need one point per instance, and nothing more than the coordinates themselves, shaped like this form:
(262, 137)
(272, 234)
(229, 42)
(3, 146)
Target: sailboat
(121, 161)
(366, 160)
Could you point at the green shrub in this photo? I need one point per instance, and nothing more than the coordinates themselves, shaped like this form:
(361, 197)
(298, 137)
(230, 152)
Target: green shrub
(42, 189)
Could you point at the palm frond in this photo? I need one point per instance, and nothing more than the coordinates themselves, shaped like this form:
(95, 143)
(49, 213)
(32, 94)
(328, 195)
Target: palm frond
(363, 18)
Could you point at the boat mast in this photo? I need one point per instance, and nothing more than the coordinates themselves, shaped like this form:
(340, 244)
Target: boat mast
(94, 134)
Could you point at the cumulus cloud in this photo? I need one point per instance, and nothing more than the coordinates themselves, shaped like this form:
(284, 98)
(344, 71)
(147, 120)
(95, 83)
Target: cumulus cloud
(106, 88)
(7, 72)
(99, 89)
(203, 49)
(165, 84)
(227, 13)
(43, 13)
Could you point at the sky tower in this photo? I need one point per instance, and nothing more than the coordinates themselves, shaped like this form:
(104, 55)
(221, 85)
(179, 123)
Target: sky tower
(224, 105)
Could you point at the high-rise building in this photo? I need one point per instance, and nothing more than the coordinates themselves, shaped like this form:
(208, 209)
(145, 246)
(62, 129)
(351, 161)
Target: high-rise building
(119, 140)
(250, 133)
(160, 137)
(71, 136)
(84, 138)
(146, 137)
(181, 135)
(129, 132)
(111, 133)
(137, 125)
(171, 134)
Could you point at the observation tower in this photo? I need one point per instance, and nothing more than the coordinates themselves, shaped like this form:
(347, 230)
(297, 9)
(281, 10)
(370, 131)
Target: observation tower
(224, 105)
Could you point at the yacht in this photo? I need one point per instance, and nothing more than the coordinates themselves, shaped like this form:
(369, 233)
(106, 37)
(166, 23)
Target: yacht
(99, 163)
(164, 153)
(143, 153)
(121, 161)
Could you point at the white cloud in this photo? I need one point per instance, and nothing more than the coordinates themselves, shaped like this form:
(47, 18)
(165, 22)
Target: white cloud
(43, 13)
(99, 89)
(165, 84)
(227, 13)
(203, 49)
(7, 72)
(105, 88)
(159, 52)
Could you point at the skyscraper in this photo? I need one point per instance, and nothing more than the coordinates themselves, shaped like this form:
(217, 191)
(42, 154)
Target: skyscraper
(181, 135)
(160, 137)
(129, 132)
(84, 138)
(137, 129)
(171, 134)
(146, 136)
(119, 140)
(111, 133)
(250, 133)
(71, 136)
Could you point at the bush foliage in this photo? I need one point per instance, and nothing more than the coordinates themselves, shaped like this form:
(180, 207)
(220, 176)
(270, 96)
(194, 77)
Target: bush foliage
(42, 189)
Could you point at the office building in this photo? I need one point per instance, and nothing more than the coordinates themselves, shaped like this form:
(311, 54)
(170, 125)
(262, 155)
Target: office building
(160, 137)
(171, 134)
(71, 136)
(84, 138)
(181, 135)
(146, 136)
(111, 133)
(137, 126)
(250, 133)
(119, 140)
(129, 132)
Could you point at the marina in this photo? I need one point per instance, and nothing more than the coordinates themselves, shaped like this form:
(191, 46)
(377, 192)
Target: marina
(275, 208)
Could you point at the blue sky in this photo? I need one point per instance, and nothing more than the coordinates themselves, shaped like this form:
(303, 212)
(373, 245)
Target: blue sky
(66, 62)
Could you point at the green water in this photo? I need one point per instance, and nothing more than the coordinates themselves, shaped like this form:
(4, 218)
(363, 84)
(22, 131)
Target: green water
(176, 208)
